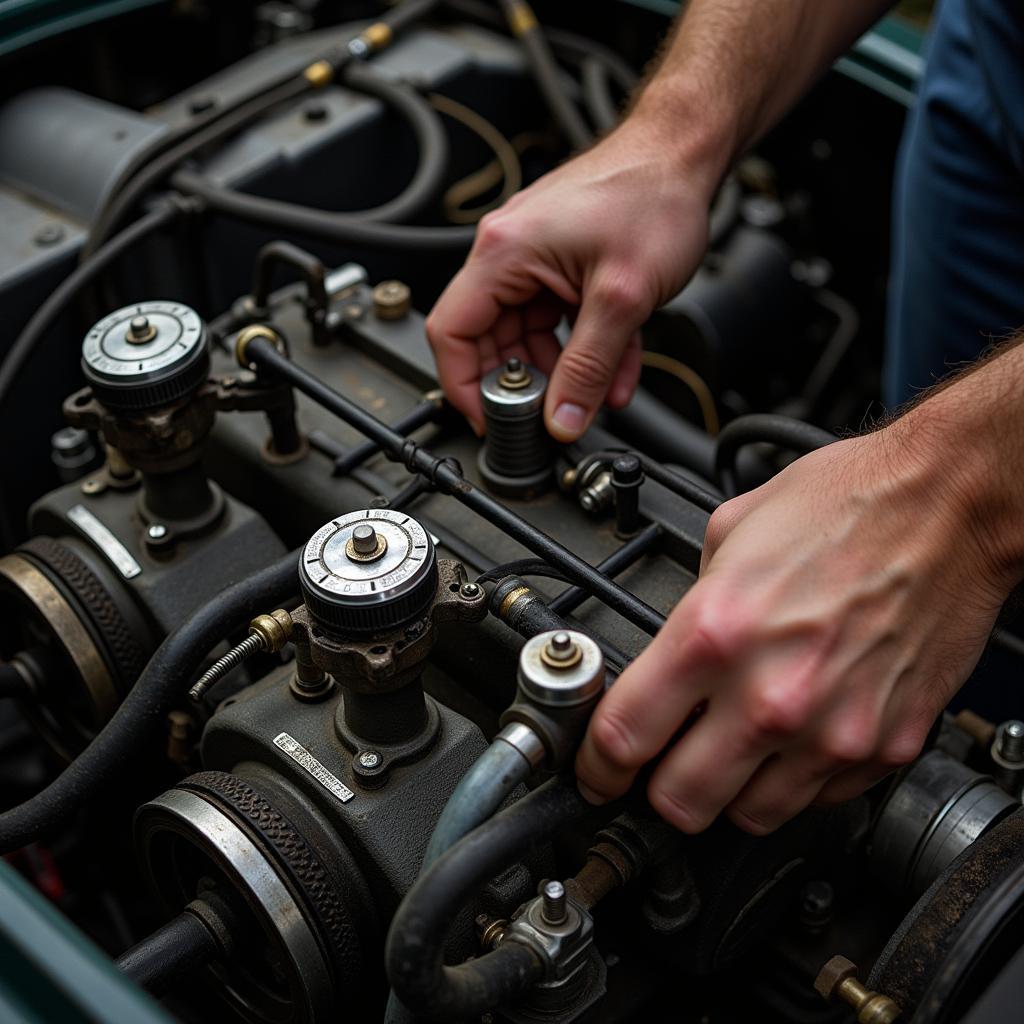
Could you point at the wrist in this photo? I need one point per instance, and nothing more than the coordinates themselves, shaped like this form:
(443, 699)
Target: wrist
(957, 448)
(692, 137)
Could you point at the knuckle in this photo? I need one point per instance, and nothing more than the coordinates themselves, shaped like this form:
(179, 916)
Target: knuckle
(621, 291)
(584, 369)
(496, 232)
(721, 523)
(775, 709)
(673, 810)
(716, 632)
(902, 748)
(756, 824)
(848, 745)
(613, 736)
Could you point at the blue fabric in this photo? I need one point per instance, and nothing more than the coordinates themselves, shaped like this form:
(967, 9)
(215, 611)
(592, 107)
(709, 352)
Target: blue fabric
(957, 280)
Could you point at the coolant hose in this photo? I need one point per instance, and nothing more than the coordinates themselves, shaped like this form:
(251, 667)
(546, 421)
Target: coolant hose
(763, 428)
(139, 719)
(415, 943)
(493, 776)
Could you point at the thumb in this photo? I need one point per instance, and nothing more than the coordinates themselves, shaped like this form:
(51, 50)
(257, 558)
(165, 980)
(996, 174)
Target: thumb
(614, 307)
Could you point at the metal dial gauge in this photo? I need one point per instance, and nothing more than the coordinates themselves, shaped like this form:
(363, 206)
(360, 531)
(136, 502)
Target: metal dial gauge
(146, 355)
(369, 570)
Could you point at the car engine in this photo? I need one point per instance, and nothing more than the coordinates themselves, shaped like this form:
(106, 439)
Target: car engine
(294, 666)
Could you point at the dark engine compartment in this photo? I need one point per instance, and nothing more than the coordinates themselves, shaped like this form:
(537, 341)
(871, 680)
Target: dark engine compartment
(161, 521)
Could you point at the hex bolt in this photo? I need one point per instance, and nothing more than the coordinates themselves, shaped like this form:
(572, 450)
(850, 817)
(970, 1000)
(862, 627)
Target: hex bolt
(370, 759)
(470, 591)
(838, 980)
(266, 633)
(364, 539)
(1010, 744)
(553, 910)
(816, 901)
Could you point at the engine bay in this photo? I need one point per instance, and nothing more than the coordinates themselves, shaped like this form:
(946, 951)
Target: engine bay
(294, 665)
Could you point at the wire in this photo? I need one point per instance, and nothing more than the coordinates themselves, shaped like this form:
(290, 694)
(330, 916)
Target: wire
(693, 381)
(479, 182)
(522, 567)
(28, 341)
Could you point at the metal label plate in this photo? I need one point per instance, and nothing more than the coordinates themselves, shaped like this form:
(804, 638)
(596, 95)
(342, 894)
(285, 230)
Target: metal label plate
(115, 551)
(301, 756)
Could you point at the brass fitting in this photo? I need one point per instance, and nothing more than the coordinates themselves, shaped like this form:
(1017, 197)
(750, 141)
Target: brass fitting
(521, 19)
(392, 300)
(251, 333)
(838, 980)
(274, 630)
(319, 74)
(377, 36)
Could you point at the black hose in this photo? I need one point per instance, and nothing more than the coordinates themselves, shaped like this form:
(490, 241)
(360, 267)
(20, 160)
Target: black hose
(12, 683)
(521, 567)
(763, 428)
(415, 943)
(175, 949)
(28, 341)
(523, 24)
(142, 715)
(447, 476)
(159, 159)
(327, 225)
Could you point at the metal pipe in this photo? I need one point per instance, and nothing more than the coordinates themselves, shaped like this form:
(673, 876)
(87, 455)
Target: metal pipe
(424, 412)
(618, 561)
(447, 476)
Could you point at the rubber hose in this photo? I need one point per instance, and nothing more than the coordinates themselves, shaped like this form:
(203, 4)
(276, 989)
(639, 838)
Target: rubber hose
(493, 776)
(430, 138)
(339, 228)
(32, 333)
(546, 72)
(142, 715)
(415, 943)
(763, 428)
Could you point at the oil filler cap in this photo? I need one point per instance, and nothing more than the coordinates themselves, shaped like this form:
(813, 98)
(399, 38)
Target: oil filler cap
(369, 571)
(146, 355)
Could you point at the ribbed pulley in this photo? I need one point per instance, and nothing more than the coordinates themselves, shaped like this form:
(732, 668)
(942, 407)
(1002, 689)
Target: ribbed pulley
(146, 355)
(369, 571)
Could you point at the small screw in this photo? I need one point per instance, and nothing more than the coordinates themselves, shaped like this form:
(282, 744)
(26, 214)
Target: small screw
(514, 375)
(156, 532)
(470, 591)
(553, 895)
(370, 759)
(93, 486)
(49, 234)
(1011, 741)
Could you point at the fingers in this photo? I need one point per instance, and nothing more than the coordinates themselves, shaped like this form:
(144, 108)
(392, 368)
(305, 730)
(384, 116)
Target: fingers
(779, 790)
(614, 307)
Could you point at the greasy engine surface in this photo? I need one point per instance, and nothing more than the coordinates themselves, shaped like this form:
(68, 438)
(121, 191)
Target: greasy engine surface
(294, 665)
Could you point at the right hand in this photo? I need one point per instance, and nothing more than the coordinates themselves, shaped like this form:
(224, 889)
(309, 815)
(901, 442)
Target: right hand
(604, 240)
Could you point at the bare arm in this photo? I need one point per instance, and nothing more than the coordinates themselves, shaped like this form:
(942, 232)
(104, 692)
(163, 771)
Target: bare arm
(616, 232)
(840, 607)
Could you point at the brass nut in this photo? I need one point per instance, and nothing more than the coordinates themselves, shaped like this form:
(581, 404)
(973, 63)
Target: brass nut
(251, 333)
(392, 300)
(319, 74)
(377, 36)
(838, 980)
(274, 629)
(832, 975)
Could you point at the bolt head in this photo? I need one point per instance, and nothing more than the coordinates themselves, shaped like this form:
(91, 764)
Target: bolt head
(561, 647)
(369, 759)
(49, 234)
(554, 890)
(469, 591)
(364, 539)
(1015, 729)
(157, 531)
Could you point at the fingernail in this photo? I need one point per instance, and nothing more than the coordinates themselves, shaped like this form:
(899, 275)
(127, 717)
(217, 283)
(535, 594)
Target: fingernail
(569, 419)
(589, 795)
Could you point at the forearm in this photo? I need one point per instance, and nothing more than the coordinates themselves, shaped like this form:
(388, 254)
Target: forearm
(967, 437)
(733, 67)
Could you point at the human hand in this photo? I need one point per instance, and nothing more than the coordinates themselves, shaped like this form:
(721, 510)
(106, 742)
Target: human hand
(604, 239)
(838, 609)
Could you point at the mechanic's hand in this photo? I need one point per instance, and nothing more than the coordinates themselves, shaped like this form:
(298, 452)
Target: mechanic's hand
(839, 608)
(605, 239)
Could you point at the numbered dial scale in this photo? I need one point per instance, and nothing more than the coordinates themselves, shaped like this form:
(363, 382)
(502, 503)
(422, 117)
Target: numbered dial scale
(368, 571)
(146, 355)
